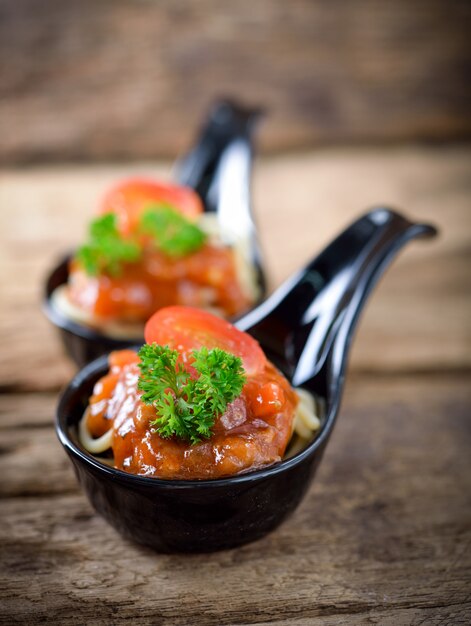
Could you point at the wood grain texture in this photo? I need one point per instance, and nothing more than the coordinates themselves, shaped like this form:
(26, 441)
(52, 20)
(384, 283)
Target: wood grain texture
(418, 319)
(382, 537)
(123, 78)
(384, 534)
(26, 434)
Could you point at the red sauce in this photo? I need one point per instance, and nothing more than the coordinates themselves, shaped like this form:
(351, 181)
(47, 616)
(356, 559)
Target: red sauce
(253, 432)
(206, 278)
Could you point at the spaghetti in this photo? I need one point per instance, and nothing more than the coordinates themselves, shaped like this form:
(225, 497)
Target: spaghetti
(267, 422)
(151, 247)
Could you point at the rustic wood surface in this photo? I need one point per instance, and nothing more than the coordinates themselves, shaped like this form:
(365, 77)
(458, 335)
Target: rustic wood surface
(420, 313)
(123, 78)
(384, 534)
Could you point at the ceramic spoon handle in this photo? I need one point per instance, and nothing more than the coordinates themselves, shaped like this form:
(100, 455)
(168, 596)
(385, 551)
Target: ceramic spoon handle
(227, 121)
(306, 326)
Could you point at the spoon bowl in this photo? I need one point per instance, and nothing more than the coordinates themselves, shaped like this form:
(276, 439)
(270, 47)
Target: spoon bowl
(305, 328)
(218, 168)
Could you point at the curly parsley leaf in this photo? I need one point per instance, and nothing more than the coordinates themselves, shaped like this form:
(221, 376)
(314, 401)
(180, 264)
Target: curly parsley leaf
(187, 408)
(171, 231)
(106, 249)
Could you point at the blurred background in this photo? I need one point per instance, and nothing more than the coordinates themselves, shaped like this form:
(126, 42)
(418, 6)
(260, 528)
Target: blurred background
(130, 79)
(367, 103)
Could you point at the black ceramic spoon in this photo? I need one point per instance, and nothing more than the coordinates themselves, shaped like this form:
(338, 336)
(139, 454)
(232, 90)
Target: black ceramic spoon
(227, 121)
(307, 325)
(219, 169)
(306, 328)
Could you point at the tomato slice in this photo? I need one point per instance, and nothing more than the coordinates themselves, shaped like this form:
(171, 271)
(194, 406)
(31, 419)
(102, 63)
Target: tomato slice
(186, 329)
(128, 199)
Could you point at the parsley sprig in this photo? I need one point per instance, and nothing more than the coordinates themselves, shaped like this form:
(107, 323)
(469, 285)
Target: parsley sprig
(186, 407)
(172, 232)
(106, 249)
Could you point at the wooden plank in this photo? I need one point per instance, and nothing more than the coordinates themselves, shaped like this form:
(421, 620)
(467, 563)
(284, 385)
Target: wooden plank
(25, 411)
(418, 318)
(28, 442)
(120, 79)
(382, 536)
(412, 617)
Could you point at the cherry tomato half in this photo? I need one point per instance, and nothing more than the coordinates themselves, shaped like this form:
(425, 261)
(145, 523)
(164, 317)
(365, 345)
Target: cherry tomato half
(186, 329)
(130, 197)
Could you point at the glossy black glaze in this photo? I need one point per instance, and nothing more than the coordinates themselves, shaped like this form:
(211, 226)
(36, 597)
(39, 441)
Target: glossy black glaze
(226, 122)
(306, 327)
(179, 516)
(219, 169)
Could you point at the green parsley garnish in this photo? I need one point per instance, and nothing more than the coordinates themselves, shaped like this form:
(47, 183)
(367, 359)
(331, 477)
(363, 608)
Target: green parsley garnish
(185, 407)
(106, 249)
(173, 233)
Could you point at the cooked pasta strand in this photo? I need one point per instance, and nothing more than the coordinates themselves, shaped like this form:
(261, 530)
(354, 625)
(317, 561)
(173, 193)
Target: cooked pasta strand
(91, 444)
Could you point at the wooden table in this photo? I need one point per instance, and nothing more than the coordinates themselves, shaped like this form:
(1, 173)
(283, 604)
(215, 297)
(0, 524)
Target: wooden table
(382, 537)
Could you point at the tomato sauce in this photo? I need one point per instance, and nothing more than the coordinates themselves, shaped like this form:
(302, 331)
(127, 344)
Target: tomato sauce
(253, 432)
(206, 279)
